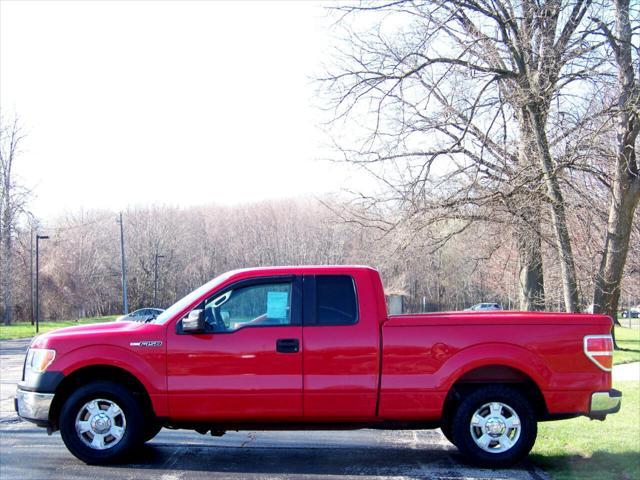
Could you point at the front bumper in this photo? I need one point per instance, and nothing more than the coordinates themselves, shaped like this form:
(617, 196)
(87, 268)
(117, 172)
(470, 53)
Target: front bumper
(33, 406)
(604, 403)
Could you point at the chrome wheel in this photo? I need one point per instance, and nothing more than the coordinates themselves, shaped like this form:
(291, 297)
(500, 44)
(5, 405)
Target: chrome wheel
(100, 424)
(495, 427)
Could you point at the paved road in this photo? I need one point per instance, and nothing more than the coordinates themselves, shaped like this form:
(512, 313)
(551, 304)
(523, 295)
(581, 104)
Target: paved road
(26, 452)
(11, 360)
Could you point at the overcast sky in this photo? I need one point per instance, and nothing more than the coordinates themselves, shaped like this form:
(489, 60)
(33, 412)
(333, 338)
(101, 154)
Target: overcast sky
(128, 103)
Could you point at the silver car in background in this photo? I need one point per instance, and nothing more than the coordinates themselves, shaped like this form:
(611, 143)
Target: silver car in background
(482, 307)
(141, 315)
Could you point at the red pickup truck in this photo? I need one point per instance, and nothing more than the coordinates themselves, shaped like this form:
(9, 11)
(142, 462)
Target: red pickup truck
(313, 348)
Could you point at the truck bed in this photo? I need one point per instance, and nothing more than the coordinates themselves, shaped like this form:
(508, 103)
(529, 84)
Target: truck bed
(424, 354)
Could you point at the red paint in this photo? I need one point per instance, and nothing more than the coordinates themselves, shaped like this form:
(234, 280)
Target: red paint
(397, 368)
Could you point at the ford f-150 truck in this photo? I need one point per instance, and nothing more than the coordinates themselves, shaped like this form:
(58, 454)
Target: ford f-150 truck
(313, 348)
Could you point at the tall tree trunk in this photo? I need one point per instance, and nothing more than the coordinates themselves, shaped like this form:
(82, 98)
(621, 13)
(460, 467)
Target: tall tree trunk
(527, 226)
(6, 256)
(9, 139)
(531, 275)
(558, 215)
(625, 191)
(624, 200)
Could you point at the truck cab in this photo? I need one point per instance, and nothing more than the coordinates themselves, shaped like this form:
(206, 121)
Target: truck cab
(254, 329)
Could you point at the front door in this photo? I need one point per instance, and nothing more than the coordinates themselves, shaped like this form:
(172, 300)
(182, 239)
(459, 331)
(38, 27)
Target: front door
(247, 365)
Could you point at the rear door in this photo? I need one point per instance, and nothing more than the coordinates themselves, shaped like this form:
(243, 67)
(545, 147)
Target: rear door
(341, 348)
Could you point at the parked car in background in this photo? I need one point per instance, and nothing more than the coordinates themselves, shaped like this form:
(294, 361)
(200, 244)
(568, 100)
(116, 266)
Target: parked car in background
(633, 312)
(483, 307)
(141, 315)
(303, 348)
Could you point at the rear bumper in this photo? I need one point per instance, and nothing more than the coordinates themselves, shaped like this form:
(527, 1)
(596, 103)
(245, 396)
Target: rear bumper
(33, 406)
(604, 403)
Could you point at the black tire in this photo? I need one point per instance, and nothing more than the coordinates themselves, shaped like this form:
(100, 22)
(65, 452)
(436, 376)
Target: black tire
(446, 428)
(464, 438)
(130, 411)
(151, 429)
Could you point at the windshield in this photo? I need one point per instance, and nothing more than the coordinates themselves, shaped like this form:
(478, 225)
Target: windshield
(192, 297)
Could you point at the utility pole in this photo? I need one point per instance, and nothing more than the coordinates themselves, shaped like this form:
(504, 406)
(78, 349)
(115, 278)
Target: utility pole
(31, 274)
(155, 282)
(125, 304)
(38, 238)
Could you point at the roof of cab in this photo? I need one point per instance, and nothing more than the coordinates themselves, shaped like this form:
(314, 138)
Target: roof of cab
(299, 270)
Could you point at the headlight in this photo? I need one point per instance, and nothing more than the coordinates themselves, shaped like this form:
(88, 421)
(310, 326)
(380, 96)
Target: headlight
(38, 359)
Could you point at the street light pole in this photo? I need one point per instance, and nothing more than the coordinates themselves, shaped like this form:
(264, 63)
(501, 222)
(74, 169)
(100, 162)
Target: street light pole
(155, 282)
(31, 275)
(38, 238)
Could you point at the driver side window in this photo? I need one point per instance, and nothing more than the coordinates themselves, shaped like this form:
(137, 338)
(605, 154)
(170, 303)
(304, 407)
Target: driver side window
(265, 304)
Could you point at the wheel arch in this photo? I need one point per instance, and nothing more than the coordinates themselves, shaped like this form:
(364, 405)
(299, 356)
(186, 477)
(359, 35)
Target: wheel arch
(494, 374)
(87, 374)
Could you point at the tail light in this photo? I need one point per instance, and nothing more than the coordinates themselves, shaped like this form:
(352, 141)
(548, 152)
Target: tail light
(599, 349)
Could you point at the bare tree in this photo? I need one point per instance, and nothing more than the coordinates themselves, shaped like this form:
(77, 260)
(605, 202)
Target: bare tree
(13, 198)
(80, 269)
(454, 97)
(625, 189)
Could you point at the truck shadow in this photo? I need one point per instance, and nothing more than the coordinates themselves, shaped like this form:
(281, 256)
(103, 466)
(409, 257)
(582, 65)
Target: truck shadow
(380, 461)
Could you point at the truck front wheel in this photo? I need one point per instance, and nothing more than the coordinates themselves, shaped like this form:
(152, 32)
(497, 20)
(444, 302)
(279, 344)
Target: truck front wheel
(494, 426)
(151, 429)
(445, 428)
(101, 422)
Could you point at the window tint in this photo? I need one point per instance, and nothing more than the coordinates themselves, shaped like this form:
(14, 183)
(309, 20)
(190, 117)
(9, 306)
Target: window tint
(335, 300)
(255, 305)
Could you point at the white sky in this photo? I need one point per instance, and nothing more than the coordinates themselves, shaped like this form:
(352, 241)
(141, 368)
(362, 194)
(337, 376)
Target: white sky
(170, 102)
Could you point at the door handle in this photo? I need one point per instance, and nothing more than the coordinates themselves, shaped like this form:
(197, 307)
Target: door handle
(288, 345)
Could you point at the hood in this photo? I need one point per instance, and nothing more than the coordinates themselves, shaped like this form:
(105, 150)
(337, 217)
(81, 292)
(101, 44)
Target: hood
(93, 333)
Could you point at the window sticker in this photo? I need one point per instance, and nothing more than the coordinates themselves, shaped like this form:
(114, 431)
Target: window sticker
(277, 303)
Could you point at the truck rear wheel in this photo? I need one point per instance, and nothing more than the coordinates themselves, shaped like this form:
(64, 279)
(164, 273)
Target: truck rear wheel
(101, 422)
(495, 426)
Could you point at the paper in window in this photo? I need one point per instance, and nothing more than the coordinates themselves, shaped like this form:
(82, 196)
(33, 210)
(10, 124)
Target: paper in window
(277, 303)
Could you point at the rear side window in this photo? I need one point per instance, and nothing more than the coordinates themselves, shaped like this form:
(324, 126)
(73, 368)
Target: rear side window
(335, 300)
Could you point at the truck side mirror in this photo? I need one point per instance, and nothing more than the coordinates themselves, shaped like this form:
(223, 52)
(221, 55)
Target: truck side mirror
(194, 322)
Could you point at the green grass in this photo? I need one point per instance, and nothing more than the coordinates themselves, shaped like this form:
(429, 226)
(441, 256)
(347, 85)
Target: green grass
(25, 330)
(628, 340)
(589, 449)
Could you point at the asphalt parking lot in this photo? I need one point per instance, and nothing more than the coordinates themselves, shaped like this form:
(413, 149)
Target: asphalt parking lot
(26, 452)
